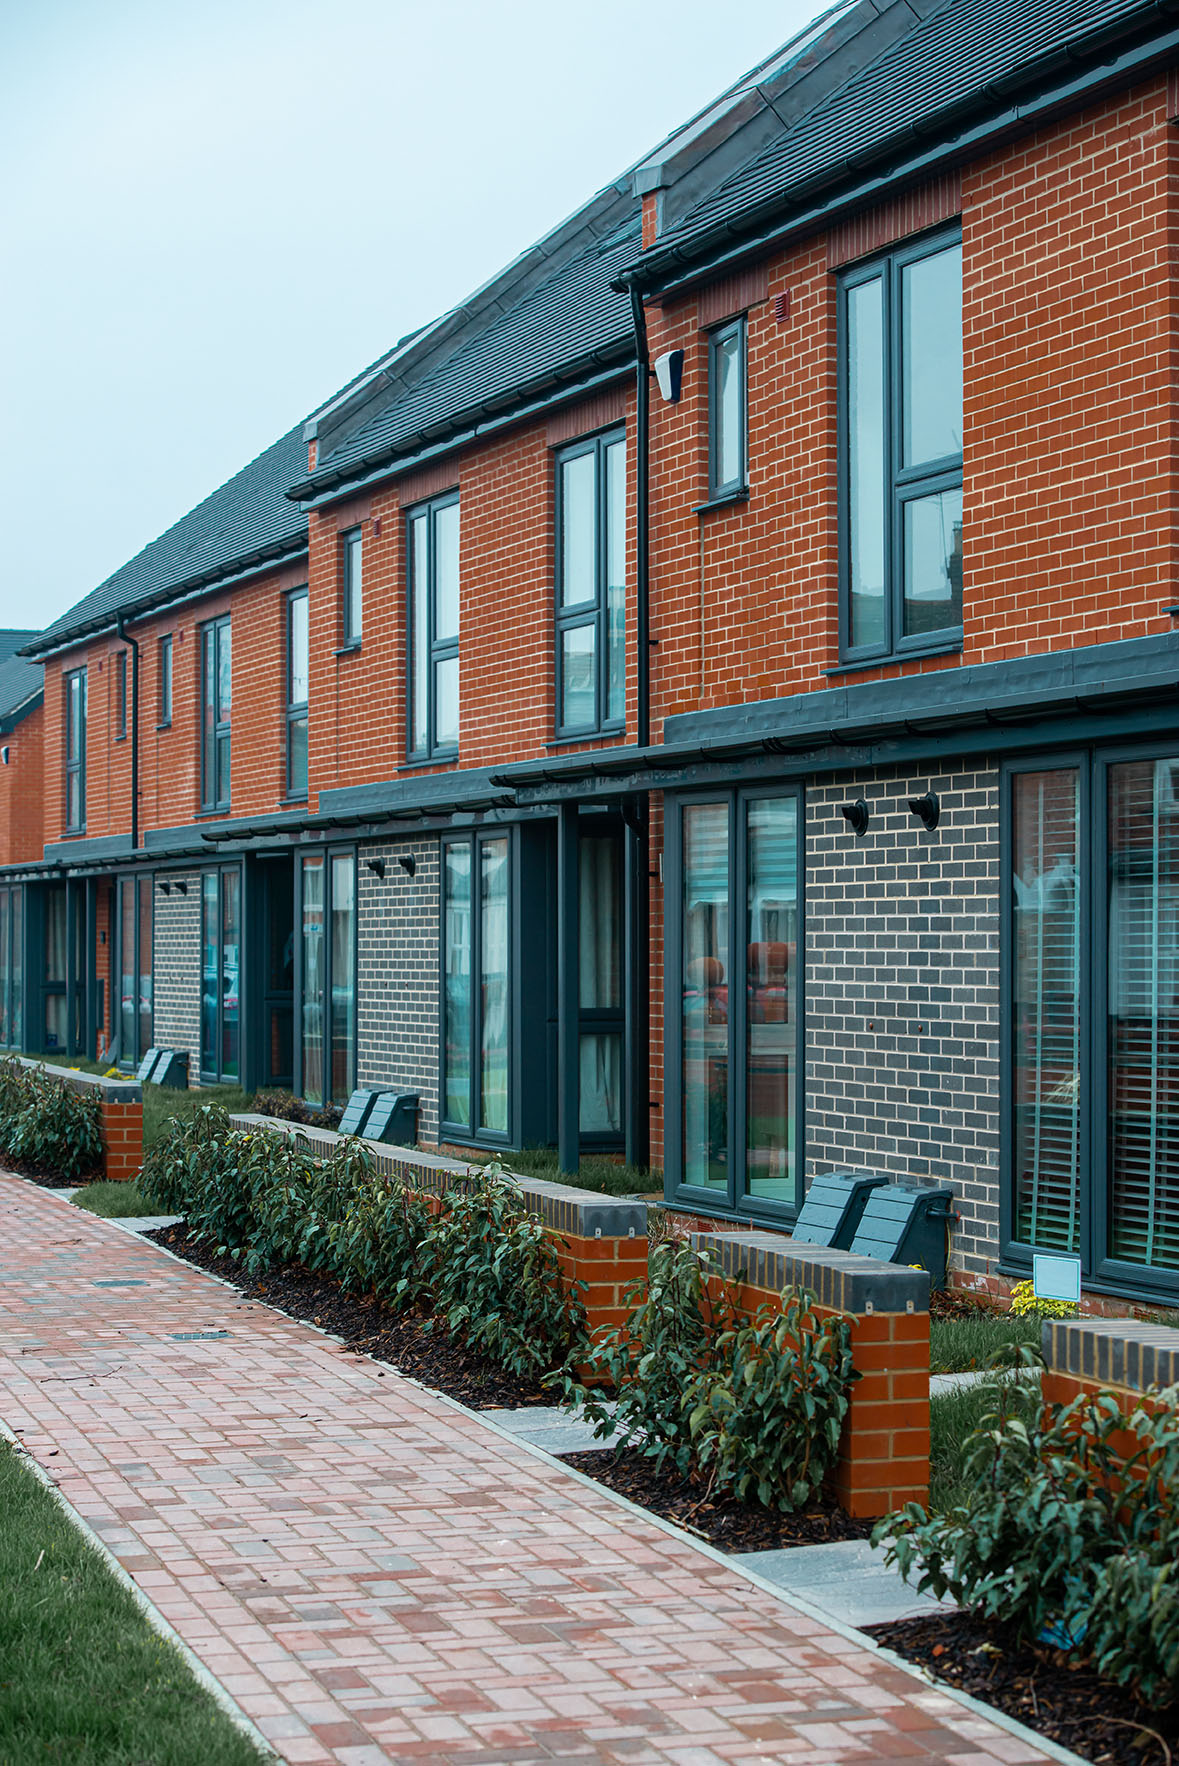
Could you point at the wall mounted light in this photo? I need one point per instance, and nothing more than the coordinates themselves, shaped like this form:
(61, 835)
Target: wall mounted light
(856, 815)
(408, 863)
(181, 888)
(165, 889)
(669, 374)
(376, 866)
(927, 809)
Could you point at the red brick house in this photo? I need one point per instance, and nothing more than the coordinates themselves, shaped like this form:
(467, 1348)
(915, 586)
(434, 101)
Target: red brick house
(713, 694)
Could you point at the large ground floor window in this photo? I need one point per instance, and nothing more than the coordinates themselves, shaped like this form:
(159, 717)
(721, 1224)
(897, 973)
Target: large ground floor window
(221, 974)
(732, 1008)
(1091, 1053)
(136, 1004)
(326, 985)
(12, 925)
(475, 986)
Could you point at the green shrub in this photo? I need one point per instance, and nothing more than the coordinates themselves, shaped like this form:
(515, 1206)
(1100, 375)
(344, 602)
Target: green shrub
(1065, 1529)
(46, 1124)
(766, 1413)
(290, 1108)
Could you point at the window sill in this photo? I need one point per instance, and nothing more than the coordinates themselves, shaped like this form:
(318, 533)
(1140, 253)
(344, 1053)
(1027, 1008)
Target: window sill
(613, 733)
(347, 649)
(894, 657)
(73, 833)
(292, 802)
(726, 500)
(208, 815)
(429, 760)
(165, 726)
(121, 738)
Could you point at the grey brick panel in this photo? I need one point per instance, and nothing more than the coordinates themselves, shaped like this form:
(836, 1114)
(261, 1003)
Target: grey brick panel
(397, 974)
(176, 968)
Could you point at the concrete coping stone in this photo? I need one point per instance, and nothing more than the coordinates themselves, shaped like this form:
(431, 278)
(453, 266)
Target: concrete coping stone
(115, 1091)
(580, 1213)
(845, 1281)
(1124, 1352)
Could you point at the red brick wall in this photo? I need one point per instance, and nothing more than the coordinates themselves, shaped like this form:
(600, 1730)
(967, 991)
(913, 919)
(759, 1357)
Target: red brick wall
(21, 791)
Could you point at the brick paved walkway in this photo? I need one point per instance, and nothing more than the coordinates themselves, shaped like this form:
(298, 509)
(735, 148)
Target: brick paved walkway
(376, 1576)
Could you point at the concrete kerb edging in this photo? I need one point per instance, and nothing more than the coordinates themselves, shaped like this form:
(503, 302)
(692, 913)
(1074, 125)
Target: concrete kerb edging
(796, 1602)
(161, 1626)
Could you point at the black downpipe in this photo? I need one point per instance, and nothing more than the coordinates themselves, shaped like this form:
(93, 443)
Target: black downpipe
(636, 812)
(134, 644)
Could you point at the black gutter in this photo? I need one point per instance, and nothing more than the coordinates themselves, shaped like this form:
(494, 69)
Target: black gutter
(673, 268)
(598, 369)
(121, 627)
(206, 582)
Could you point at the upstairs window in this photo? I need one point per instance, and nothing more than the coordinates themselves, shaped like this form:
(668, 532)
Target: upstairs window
(297, 670)
(164, 708)
(216, 700)
(353, 600)
(432, 551)
(591, 586)
(121, 696)
(901, 452)
(726, 411)
(75, 750)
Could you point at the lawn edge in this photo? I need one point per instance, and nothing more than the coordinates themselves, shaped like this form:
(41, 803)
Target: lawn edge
(797, 1603)
(159, 1624)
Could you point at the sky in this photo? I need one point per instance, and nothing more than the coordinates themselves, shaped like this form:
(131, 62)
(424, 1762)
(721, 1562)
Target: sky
(211, 217)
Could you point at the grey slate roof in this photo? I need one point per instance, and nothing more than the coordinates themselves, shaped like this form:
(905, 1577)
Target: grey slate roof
(249, 517)
(570, 321)
(20, 681)
(963, 58)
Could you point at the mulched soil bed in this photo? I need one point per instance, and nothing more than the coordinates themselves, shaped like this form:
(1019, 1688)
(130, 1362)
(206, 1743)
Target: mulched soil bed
(51, 1180)
(405, 1341)
(727, 1524)
(1040, 1687)
(952, 1303)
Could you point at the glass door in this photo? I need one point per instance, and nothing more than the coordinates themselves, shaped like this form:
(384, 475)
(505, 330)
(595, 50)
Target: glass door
(221, 974)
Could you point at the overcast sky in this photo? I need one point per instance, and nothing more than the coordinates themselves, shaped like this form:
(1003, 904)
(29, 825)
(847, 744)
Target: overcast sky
(212, 216)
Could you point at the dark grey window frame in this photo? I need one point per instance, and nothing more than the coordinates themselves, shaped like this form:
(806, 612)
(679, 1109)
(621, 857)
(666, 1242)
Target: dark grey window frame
(345, 849)
(1102, 1273)
(460, 1133)
(135, 882)
(738, 1203)
(164, 682)
(593, 613)
(120, 696)
(210, 801)
(216, 1075)
(437, 649)
(352, 590)
(900, 485)
(720, 489)
(296, 709)
(76, 767)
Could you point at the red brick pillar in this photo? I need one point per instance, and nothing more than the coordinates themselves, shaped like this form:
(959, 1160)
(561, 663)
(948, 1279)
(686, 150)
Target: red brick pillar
(122, 1138)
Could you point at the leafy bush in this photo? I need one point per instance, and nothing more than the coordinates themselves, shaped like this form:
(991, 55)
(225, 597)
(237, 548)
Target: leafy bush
(1071, 1524)
(486, 1267)
(752, 1409)
(1026, 1303)
(766, 1413)
(290, 1108)
(46, 1124)
(496, 1279)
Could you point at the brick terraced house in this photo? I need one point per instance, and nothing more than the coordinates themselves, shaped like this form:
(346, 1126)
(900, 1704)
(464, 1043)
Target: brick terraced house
(711, 695)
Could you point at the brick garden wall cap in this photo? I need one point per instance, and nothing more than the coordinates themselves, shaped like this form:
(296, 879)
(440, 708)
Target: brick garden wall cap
(566, 1209)
(1114, 1351)
(842, 1280)
(114, 1091)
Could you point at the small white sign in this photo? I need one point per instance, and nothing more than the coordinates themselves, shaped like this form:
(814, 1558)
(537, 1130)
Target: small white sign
(1055, 1277)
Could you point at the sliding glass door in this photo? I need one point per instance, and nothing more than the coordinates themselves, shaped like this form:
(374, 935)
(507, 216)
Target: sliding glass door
(476, 1094)
(221, 974)
(1091, 1041)
(734, 946)
(326, 987)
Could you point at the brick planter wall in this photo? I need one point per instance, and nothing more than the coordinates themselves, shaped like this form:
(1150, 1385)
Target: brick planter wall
(884, 1450)
(1125, 1356)
(121, 1104)
(602, 1240)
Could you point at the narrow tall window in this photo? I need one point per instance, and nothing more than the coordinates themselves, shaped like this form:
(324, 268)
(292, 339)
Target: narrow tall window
(475, 1007)
(901, 451)
(327, 976)
(297, 672)
(216, 701)
(353, 605)
(165, 682)
(432, 550)
(75, 747)
(726, 410)
(221, 971)
(121, 696)
(591, 586)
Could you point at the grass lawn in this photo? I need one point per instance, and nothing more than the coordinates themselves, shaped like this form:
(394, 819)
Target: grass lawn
(952, 1417)
(114, 1201)
(957, 1345)
(83, 1677)
(160, 1103)
(597, 1172)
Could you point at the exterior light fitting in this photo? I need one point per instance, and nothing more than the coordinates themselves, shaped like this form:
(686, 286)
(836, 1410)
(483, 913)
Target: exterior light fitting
(856, 816)
(408, 863)
(376, 866)
(669, 374)
(927, 809)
